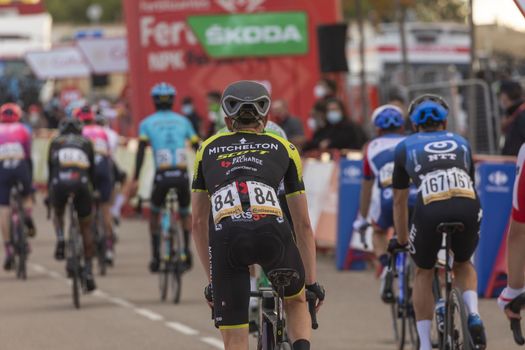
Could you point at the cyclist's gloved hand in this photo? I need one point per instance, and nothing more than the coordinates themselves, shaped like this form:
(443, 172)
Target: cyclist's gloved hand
(506, 296)
(360, 223)
(208, 294)
(395, 246)
(318, 291)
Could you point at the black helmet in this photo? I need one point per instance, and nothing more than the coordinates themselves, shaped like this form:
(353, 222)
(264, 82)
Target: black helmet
(245, 93)
(70, 126)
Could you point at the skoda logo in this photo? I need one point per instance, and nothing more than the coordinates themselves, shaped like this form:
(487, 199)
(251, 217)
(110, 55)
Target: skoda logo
(441, 146)
(498, 178)
(352, 171)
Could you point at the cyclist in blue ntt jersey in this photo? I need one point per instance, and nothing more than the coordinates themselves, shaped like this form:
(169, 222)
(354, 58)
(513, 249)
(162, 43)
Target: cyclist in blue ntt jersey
(167, 133)
(440, 164)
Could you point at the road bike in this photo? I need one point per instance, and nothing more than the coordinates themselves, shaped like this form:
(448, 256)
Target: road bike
(18, 232)
(401, 273)
(74, 253)
(173, 262)
(272, 330)
(454, 333)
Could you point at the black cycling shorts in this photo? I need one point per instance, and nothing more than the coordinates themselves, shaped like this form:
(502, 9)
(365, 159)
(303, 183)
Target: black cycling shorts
(104, 178)
(235, 244)
(166, 180)
(119, 176)
(60, 191)
(425, 242)
(11, 173)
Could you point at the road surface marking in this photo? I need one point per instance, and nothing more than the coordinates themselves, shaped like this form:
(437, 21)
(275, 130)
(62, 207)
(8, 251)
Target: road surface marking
(216, 343)
(182, 328)
(152, 316)
(54, 274)
(39, 268)
(121, 302)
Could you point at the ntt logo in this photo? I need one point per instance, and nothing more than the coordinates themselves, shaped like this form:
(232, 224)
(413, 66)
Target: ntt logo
(498, 178)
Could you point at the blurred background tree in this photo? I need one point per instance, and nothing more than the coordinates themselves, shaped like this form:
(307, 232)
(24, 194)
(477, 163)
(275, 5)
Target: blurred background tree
(75, 11)
(423, 10)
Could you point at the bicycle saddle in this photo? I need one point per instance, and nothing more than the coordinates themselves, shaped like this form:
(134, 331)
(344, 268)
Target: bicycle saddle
(450, 227)
(282, 277)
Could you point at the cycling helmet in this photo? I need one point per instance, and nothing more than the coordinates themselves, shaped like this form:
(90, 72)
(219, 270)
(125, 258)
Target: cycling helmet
(84, 114)
(163, 94)
(388, 117)
(246, 95)
(70, 126)
(100, 119)
(10, 113)
(427, 107)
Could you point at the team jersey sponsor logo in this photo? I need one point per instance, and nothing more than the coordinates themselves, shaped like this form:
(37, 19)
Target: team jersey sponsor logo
(247, 159)
(12, 150)
(237, 154)
(240, 167)
(243, 147)
(247, 216)
(441, 150)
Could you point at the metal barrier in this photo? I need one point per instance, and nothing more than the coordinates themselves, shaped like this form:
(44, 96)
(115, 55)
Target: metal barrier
(472, 112)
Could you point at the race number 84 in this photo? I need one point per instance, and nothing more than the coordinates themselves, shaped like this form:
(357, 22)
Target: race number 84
(263, 199)
(226, 202)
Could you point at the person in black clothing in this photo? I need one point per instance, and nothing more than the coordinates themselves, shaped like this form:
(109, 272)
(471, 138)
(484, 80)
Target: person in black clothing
(339, 132)
(513, 123)
(71, 165)
(188, 110)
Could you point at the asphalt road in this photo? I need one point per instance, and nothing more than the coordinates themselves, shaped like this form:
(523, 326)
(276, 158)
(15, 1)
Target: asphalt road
(126, 312)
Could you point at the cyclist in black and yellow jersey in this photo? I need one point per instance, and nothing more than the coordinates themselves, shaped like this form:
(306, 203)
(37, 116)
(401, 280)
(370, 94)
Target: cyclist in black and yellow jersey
(237, 219)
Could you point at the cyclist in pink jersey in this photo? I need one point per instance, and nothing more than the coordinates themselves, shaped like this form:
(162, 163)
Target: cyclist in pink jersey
(103, 170)
(15, 169)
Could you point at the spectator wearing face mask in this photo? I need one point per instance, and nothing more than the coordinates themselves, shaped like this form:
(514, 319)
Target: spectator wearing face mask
(325, 89)
(291, 125)
(339, 132)
(188, 110)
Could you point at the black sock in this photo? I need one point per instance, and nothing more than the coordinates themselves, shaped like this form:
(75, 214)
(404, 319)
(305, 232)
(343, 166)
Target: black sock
(301, 344)
(155, 242)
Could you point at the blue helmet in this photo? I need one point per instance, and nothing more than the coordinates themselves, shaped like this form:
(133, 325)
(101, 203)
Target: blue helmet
(388, 117)
(427, 107)
(163, 94)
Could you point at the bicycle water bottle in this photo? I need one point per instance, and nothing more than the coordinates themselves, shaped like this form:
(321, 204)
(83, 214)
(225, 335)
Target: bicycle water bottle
(440, 314)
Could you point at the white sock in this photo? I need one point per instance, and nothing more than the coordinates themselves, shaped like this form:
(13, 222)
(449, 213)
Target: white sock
(423, 330)
(117, 206)
(470, 298)
(253, 283)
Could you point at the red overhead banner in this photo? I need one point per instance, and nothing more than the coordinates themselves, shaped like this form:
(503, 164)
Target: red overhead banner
(162, 46)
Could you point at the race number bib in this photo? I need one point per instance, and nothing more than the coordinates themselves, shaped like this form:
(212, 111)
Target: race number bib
(445, 184)
(12, 150)
(385, 174)
(225, 202)
(73, 157)
(263, 199)
(182, 159)
(164, 158)
(101, 147)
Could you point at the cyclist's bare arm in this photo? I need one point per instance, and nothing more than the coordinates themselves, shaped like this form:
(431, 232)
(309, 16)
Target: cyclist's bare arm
(401, 214)
(366, 194)
(305, 235)
(200, 205)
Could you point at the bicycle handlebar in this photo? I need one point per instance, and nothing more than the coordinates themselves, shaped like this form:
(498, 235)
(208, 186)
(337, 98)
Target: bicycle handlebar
(311, 298)
(515, 324)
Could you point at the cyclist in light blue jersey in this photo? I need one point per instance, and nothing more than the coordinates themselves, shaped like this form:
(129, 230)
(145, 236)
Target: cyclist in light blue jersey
(167, 133)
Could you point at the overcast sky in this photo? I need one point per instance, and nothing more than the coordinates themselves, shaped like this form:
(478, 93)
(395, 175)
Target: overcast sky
(504, 11)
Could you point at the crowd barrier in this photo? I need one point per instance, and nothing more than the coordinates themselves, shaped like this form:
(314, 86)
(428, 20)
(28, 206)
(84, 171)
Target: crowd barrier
(333, 183)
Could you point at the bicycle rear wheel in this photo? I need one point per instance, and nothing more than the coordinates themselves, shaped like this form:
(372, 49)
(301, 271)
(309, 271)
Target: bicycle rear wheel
(457, 333)
(100, 242)
(164, 279)
(74, 266)
(178, 266)
(20, 252)
(410, 328)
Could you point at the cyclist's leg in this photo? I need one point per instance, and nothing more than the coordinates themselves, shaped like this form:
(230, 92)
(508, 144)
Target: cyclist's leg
(464, 245)
(83, 205)
(119, 196)
(424, 244)
(231, 286)
(5, 216)
(183, 194)
(382, 220)
(157, 199)
(58, 197)
(105, 188)
(25, 179)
